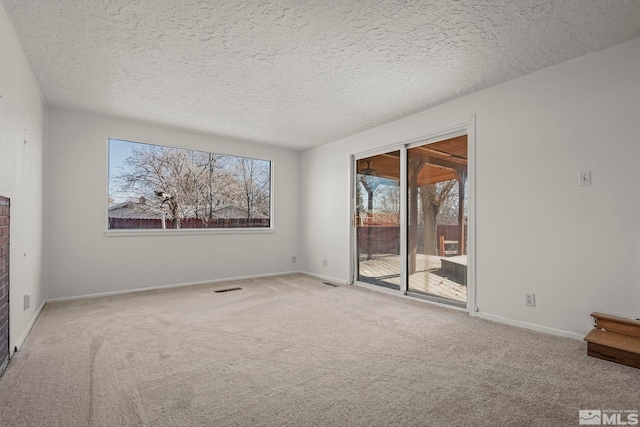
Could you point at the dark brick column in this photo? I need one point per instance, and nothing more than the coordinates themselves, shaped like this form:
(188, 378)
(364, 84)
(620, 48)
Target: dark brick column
(4, 282)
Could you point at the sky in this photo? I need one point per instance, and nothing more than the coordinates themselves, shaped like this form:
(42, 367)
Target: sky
(118, 152)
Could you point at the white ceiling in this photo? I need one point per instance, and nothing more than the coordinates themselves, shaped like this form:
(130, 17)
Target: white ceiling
(297, 73)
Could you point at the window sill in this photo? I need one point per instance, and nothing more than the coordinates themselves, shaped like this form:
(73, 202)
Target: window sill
(186, 232)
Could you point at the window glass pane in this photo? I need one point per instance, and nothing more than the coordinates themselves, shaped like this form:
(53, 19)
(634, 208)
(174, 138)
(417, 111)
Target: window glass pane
(437, 216)
(156, 187)
(378, 219)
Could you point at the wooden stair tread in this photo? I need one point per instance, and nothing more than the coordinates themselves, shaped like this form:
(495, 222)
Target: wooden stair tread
(614, 340)
(618, 327)
(617, 324)
(624, 320)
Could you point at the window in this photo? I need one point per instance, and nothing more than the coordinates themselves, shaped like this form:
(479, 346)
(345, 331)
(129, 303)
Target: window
(156, 187)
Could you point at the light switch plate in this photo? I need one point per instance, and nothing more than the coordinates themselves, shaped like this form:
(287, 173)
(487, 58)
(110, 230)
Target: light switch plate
(584, 178)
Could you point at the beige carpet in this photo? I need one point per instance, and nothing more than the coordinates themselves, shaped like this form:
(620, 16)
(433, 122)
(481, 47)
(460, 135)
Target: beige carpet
(292, 351)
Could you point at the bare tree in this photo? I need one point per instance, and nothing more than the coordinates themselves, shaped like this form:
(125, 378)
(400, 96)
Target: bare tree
(253, 180)
(389, 199)
(432, 198)
(146, 172)
(182, 183)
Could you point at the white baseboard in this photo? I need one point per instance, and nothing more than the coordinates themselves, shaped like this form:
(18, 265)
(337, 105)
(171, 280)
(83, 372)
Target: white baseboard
(491, 317)
(532, 326)
(325, 278)
(24, 335)
(178, 285)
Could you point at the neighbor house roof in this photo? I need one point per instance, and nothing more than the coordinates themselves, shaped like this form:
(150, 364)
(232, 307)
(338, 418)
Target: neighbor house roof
(142, 210)
(133, 209)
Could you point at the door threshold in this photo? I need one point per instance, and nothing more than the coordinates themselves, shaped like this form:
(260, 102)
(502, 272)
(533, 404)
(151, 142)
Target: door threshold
(441, 302)
(437, 300)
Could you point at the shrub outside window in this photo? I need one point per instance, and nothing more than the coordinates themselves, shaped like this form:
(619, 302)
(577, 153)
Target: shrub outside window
(157, 187)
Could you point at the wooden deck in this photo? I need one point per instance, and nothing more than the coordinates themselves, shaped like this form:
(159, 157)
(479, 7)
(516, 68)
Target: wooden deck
(384, 270)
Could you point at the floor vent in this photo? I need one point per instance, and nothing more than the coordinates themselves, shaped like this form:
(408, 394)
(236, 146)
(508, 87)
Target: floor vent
(331, 284)
(227, 290)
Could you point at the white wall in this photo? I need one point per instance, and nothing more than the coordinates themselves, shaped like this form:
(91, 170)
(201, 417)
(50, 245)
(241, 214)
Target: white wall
(576, 248)
(22, 116)
(83, 261)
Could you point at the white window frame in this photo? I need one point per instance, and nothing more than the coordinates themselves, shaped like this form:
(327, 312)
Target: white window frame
(188, 231)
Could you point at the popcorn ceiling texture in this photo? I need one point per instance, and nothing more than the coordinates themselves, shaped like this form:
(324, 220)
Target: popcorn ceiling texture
(297, 74)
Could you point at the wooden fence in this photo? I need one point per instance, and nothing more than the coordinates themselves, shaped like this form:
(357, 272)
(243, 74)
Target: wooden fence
(386, 240)
(135, 223)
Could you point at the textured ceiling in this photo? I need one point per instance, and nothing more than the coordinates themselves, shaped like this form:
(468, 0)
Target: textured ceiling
(297, 73)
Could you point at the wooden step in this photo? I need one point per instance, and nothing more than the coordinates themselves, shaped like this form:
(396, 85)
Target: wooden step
(617, 324)
(614, 347)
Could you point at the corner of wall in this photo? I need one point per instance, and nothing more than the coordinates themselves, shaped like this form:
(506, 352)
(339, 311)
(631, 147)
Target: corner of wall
(24, 128)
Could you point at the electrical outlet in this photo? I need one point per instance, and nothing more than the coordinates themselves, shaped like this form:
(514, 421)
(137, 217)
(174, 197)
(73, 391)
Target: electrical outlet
(293, 260)
(530, 300)
(27, 301)
(325, 263)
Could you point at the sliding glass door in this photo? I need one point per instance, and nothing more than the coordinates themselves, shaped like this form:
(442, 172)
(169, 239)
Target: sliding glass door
(377, 219)
(414, 197)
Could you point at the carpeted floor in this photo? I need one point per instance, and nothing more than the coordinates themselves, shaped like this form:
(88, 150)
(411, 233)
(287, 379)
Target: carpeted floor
(292, 351)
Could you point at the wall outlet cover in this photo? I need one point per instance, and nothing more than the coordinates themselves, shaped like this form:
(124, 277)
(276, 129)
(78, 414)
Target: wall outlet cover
(530, 300)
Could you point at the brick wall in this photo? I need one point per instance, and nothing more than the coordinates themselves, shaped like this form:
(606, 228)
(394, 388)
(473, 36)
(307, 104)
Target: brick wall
(4, 282)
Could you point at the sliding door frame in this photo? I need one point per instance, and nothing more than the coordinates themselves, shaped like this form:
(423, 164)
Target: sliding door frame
(403, 212)
(466, 127)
